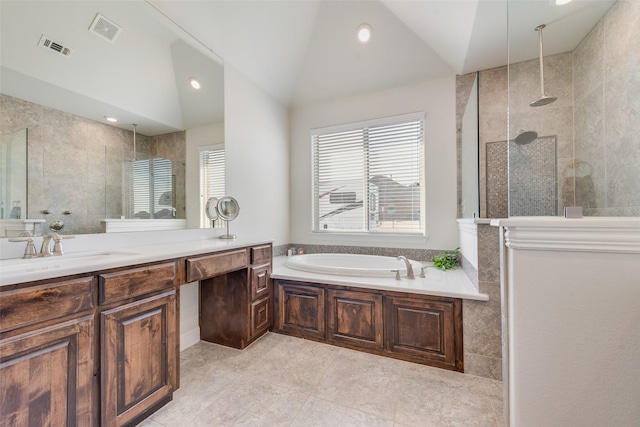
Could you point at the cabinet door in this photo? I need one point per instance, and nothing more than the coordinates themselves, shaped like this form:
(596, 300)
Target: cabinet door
(301, 310)
(355, 318)
(260, 317)
(423, 330)
(47, 376)
(259, 281)
(139, 358)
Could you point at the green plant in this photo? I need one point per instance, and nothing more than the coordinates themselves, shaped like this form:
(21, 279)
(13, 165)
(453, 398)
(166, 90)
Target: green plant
(446, 260)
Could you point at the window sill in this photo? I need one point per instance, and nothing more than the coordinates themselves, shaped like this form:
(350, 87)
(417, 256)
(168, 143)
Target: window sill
(367, 238)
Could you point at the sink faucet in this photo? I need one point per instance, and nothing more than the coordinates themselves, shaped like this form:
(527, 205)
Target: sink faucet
(409, 267)
(45, 250)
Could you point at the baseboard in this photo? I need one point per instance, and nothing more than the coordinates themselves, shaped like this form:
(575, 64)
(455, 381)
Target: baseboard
(189, 338)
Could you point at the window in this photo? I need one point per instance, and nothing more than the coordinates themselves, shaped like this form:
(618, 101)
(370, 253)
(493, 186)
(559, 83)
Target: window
(150, 189)
(212, 181)
(368, 176)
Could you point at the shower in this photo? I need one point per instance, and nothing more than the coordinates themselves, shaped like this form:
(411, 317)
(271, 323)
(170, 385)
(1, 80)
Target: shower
(544, 98)
(526, 137)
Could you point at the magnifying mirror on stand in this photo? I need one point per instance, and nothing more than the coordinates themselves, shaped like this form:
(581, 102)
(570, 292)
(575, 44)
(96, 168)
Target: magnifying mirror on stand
(210, 210)
(228, 210)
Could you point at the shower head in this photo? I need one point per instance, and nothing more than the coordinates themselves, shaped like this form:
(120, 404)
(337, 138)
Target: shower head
(544, 98)
(525, 138)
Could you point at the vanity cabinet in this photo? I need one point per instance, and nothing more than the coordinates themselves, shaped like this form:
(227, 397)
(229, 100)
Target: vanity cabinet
(138, 341)
(235, 294)
(47, 354)
(300, 310)
(419, 328)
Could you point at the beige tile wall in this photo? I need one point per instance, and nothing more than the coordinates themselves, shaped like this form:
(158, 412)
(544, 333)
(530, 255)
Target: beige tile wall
(75, 164)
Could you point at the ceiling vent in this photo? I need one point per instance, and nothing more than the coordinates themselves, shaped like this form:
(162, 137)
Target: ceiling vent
(50, 44)
(105, 28)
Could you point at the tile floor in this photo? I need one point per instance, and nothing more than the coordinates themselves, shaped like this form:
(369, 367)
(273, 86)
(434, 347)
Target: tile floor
(286, 381)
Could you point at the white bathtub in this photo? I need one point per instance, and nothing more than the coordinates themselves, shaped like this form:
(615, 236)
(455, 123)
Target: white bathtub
(351, 265)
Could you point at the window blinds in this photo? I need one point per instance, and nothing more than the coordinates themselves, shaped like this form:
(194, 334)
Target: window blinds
(368, 177)
(151, 189)
(212, 178)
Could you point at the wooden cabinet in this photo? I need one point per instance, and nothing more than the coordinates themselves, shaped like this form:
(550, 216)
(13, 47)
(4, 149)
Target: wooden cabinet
(425, 330)
(419, 328)
(47, 375)
(47, 354)
(138, 342)
(300, 310)
(235, 295)
(355, 318)
(102, 349)
(139, 358)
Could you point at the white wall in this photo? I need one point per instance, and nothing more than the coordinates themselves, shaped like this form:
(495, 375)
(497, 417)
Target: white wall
(257, 159)
(255, 133)
(437, 99)
(573, 288)
(196, 138)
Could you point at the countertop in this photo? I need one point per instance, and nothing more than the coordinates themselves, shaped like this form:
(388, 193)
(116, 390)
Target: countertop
(451, 283)
(18, 270)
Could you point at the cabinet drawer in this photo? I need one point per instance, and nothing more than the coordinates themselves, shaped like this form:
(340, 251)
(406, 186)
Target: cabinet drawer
(23, 307)
(260, 254)
(126, 284)
(259, 281)
(215, 265)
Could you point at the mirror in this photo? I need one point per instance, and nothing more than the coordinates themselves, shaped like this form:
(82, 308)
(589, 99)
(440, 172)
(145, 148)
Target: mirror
(60, 79)
(211, 208)
(228, 210)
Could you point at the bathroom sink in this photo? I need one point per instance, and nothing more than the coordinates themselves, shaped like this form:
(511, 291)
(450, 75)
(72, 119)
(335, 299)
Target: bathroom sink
(55, 262)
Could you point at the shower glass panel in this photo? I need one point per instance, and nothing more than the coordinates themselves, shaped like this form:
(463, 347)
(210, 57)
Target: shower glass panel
(13, 175)
(594, 72)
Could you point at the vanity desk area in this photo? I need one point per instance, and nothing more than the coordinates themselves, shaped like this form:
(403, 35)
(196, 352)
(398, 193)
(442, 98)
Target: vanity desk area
(94, 338)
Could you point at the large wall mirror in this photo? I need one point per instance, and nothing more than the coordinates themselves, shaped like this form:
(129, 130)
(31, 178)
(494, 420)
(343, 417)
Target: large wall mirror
(68, 66)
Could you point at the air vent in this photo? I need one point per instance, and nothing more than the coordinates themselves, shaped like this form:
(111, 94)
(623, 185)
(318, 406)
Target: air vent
(50, 44)
(105, 28)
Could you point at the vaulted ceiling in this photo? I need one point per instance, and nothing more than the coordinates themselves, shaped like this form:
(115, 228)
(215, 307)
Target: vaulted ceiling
(302, 51)
(298, 51)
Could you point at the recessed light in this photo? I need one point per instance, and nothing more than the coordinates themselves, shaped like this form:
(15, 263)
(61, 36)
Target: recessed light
(194, 83)
(364, 33)
(111, 119)
(562, 2)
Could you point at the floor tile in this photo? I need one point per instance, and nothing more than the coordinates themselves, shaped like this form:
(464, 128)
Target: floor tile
(318, 413)
(286, 381)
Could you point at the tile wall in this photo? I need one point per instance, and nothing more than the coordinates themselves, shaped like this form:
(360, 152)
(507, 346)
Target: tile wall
(75, 164)
(607, 117)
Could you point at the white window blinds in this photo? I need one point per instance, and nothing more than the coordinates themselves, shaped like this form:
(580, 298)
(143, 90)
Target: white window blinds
(212, 181)
(151, 189)
(369, 176)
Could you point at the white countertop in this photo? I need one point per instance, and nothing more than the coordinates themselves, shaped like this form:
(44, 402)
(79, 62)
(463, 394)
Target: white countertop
(16, 270)
(451, 283)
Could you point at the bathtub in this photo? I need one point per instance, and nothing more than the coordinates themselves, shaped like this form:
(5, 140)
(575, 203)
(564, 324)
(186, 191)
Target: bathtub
(351, 265)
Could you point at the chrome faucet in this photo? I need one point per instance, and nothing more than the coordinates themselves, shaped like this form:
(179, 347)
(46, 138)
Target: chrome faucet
(409, 267)
(45, 250)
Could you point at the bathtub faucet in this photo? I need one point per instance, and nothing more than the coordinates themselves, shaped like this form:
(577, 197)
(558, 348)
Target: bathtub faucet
(409, 267)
